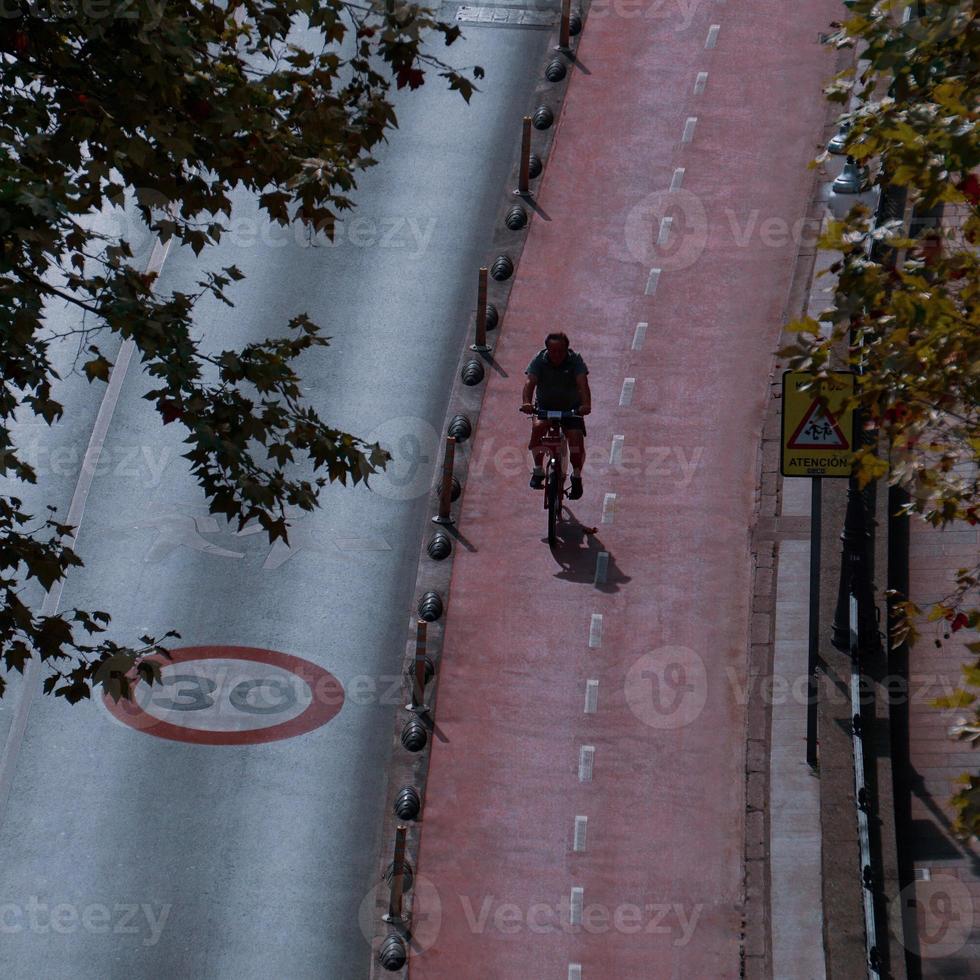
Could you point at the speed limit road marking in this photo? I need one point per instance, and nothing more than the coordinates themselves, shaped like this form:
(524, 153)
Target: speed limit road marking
(225, 695)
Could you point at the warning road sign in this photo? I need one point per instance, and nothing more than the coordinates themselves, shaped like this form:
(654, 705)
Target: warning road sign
(818, 427)
(818, 430)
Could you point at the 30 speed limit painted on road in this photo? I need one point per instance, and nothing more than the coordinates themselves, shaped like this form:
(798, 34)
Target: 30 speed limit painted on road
(227, 695)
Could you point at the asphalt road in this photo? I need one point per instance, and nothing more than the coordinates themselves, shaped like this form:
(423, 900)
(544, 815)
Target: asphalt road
(128, 855)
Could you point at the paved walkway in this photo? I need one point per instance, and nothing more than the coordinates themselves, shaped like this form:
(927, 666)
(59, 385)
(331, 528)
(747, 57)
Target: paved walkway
(585, 806)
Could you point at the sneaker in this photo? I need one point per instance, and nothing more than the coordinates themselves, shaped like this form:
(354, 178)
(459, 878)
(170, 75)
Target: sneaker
(576, 490)
(537, 481)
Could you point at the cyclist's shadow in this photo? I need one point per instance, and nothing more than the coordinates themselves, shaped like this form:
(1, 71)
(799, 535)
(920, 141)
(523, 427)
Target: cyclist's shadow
(578, 551)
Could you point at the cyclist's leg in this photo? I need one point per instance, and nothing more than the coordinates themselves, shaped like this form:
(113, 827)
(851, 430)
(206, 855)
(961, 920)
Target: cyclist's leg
(576, 452)
(538, 429)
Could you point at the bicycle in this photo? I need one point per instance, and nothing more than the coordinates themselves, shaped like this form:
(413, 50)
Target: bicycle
(555, 446)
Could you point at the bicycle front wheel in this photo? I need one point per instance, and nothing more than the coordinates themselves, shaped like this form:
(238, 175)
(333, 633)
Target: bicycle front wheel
(553, 492)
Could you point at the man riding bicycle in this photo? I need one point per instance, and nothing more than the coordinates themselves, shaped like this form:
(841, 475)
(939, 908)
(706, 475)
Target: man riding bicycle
(561, 380)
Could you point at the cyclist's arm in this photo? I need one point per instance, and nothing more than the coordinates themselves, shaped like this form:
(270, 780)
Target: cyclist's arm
(585, 394)
(529, 386)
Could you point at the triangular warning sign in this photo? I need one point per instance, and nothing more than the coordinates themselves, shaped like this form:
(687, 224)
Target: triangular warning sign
(818, 430)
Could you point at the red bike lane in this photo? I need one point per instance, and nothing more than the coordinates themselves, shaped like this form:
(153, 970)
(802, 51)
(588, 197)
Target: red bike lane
(618, 700)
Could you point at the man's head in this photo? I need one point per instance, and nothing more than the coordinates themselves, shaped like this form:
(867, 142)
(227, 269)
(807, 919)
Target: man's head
(556, 345)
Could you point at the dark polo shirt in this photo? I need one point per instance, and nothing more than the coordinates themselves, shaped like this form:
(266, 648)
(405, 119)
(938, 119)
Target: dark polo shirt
(557, 390)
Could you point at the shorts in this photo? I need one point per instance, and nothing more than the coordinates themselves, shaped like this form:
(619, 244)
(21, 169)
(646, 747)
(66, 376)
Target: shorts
(571, 425)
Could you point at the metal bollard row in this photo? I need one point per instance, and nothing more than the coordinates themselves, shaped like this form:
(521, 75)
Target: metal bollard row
(446, 487)
(422, 671)
(430, 607)
(414, 736)
(472, 373)
(393, 955)
(543, 117)
(408, 803)
(556, 70)
(395, 876)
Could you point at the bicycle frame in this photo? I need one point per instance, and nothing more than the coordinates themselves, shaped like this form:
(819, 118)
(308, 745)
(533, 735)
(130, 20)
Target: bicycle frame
(555, 445)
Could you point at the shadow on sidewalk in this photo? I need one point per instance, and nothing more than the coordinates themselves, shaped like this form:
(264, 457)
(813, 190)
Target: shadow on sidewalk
(577, 553)
(935, 840)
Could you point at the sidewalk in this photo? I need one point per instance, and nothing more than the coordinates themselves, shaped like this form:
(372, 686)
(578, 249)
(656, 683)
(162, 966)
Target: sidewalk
(584, 814)
(947, 871)
(945, 902)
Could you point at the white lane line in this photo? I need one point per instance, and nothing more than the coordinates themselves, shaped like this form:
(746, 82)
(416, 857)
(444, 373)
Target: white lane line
(595, 631)
(700, 82)
(664, 232)
(639, 334)
(601, 568)
(76, 510)
(575, 904)
(677, 179)
(586, 762)
(652, 280)
(574, 971)
(692, 121)
(581, 831)
(616, 450)
(608, 508)
(712, 38)
(591, 697)
(626, 395)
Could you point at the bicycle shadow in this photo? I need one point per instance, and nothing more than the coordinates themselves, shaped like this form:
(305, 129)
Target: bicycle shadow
(577, 552)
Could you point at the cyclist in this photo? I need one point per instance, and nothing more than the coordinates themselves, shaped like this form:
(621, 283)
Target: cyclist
(561, 380)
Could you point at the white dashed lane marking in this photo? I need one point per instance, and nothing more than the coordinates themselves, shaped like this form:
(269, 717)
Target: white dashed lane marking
(591, 697)
(595, 631)
(640, 333)
(586, 761)
(700, 82)
(616, 450)
(601, 568)
(692, 121)
(712, 38)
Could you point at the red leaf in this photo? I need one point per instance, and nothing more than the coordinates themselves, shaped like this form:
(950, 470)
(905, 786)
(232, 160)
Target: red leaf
(959, 622)
(970, 186)
(412, 77)
(170, 411)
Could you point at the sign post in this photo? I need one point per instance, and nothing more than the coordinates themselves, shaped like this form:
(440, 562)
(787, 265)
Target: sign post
(817, 441)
